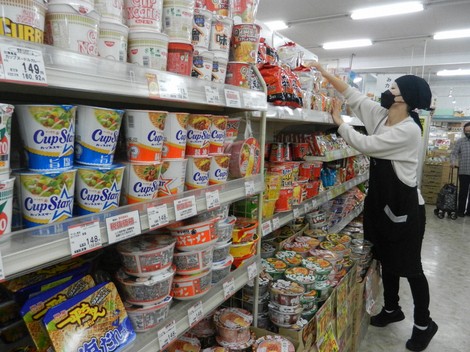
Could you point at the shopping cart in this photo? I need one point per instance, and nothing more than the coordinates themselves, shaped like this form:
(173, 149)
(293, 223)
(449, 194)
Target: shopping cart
(447, 198)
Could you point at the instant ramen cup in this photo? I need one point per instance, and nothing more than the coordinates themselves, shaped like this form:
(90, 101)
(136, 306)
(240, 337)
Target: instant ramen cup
(45, 197)
(172, 177)
(186, 287)
(6, 111)
(97, 189)
(84, 6)
(238, 74)
(194, 236)
(219, 67)
(180, 57)
(48, 135)
(197, 172)
(202, 64)
(198, 136)
(112, 42)
(174, 135)
(145, 318)
(144, 134)
(189, 263)
(233, 124)
(244, 11)
(110, 10)
(141, 182)
(244, 43)
(218, 172)
(149, 49)
(146, 15)
(200, 36)
(6, 205)
(178, 14)
(218, 7)
(217, 132)
(96, 136)
(221, 31)
(23, 20)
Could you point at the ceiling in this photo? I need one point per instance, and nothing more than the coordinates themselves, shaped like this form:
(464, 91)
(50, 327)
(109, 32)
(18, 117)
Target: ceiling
(402, 44)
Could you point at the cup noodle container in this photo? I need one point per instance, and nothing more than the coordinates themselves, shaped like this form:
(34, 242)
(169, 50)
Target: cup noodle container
(180, 58)
(69, 29)
(148, 49)
(244, 43)
(110, 10)
(6, 112)
(219, 67)
(217, 131)
(83, 6)
(218, 172)
(221, 31)
(48, 135)
(218, 7)
(231, 131)
(45, 197)
(244, 11)
(144, 14)
(112, 42)
(238, 74)
(172, 177)
(201, 31)
(141, 181)
(178, 19)
(202, 64)
(198, 136)
(197, 172)
(144, 134)
(6, 204)
(97, 189)
(23, 19)
(96, 136)
(174, 135)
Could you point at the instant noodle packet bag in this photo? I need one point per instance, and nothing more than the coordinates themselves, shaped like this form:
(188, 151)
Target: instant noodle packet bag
(94, 320)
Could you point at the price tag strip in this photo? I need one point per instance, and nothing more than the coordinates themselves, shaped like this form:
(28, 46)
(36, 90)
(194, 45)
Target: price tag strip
(297, 212)
(212, 95)
(276, 223)
(185, 207)
(22, 65)
(167, 335)
(195, 314)
(158, 216)
(267, 228)
(172, 88)
(232, 98)
(212, 199)
(250, 188)
(2, 272)
(123, 226)
(252, 271)
(248, 101)
(229, 288)
(84, 238)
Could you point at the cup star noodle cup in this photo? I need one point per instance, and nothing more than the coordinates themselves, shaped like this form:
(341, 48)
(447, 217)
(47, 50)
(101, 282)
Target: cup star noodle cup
(48, 135)
(6, 205)
(97, 189)
(217, 138)
(144, 134)
(198, 136)
(174, 142)
(110, 10)
(97, 132)
(23, 20)
(218, 172)
(172, 177)
(144, 14)
(197, 172)
(6, 112)
(141, 182)
(45, 197)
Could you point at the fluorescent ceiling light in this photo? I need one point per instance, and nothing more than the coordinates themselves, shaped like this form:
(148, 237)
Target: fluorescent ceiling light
(276, 25)
(347, 44)
(458, 72)
(387, 10)
(357, 79)
(461, 33)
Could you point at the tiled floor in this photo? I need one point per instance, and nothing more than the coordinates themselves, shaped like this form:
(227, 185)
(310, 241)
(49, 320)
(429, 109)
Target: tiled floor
(446, 261)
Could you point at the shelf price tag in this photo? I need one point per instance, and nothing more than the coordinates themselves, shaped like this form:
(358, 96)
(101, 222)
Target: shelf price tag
(296, 212)
(172, 88)
(85, 237)
(229, 288)
(123, 226)
(167, 334)
(267, 228)
(158, 216)
(314, 203)
(2, 272)
(252, 271)
(185, 207)
(248, 100)
(212, 95)
(212, 199)
(22, 65)
(250, 188)
(308, 207)
(276, 223)
(195, 314)
(232, 98)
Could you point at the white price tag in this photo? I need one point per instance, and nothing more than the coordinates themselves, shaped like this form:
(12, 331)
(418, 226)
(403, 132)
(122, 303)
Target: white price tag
(185, 208)
(123, 226)
(212, 95)
(22, 65)
(248, 100)
(267, 228)
(250, 188)
(195, 314)
(229, 288)
(276, 223)
(314, 203)
(85, 237)
(212, 199)
(308, 207)
(252, 271)
(232, 98)
(296, 212)
(172, 88)
(167, 334)
(2, 272)
(158, 216)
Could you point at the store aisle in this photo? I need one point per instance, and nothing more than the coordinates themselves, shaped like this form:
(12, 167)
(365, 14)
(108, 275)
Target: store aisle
(446, 261)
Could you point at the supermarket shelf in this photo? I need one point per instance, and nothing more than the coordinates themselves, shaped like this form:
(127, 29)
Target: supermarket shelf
(30, 249)
(179, 312)
(75, 76)
(280, 219)
(345, 221)
(450, 118)
(334, 155)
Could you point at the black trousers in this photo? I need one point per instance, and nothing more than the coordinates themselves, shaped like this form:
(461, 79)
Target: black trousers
(464, 185)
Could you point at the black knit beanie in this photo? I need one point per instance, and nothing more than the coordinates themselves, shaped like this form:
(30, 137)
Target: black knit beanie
(416, 93)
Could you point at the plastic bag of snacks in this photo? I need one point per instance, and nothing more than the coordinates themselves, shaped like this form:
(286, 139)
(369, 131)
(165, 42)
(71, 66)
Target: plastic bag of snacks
(267, 54)
(273, 76)
(297, 95)
(289, 54)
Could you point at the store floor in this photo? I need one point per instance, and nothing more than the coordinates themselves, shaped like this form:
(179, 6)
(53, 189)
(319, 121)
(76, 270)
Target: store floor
(446, 259)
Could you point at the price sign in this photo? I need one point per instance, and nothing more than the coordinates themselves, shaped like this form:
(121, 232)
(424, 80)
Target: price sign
(123, 226)
(195, 314)
(276, 223)
(267, 228)
(172, 88)
(248, 100)
(167, 334)
(229, 288)
(250, 188)
(314, 204)
(158, 216)
(296, 212)
(232, 98)
(2, 272)
(308, 207)
(212, 95)
(85, 237)
(22, 65)
(252, 271)
(185, 208)
(212, 199)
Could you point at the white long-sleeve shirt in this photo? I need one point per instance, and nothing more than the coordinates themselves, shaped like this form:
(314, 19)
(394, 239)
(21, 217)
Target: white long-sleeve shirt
(399, 143)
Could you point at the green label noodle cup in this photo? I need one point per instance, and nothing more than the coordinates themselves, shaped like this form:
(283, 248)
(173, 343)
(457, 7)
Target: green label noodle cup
(23, 19)
(6, 205)
(141, 181)
(178, 19)
(172, 177)
(6, 111)
(97, 189)
(96, 135)
(112, 43)
(45, 197)
(148, 49)
(48, 135)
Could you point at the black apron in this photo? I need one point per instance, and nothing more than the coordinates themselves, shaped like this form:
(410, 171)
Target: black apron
(393, 220)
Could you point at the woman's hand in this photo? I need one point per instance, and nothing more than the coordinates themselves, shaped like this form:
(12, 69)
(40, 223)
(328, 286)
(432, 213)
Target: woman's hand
(336, 108)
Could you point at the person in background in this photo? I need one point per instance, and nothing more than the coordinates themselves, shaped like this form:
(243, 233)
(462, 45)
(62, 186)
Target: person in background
(461, 157)
(394, 212)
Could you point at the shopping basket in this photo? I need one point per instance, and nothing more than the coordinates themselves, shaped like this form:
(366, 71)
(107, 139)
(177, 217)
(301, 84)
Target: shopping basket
(447, 198)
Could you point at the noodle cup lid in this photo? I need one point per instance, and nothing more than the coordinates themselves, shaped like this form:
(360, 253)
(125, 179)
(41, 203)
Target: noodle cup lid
(274, 343)
(233, 318)
(146, 243)
(190, 224)
(144, 281)
(147, 308)
(222, 265)
(300, 274)
(287, 287)
(183, 278)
